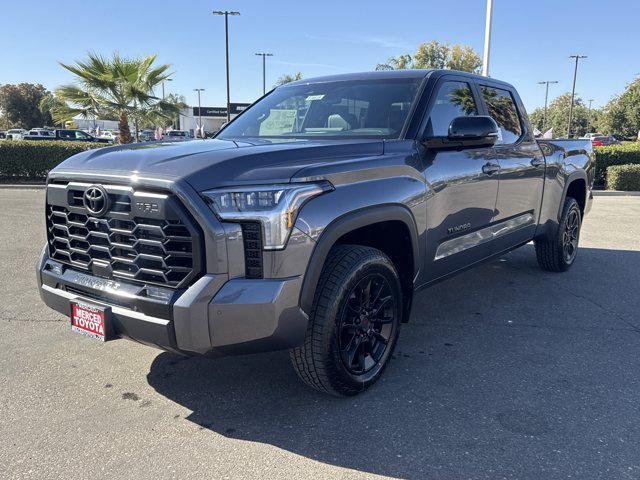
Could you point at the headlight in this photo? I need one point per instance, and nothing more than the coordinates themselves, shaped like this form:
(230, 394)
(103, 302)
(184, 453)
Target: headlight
(274, 206)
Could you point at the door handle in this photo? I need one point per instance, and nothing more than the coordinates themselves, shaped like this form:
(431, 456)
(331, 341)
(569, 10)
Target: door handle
(490, 168)
(537, 162)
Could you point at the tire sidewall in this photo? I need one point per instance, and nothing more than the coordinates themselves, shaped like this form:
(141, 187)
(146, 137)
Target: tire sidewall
(570, 205)
(379, 264)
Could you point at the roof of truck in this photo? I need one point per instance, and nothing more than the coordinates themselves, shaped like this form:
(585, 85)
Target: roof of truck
(390, 74)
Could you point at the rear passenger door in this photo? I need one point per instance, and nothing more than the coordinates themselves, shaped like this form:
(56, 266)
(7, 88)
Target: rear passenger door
(521, 168)
(461, 188)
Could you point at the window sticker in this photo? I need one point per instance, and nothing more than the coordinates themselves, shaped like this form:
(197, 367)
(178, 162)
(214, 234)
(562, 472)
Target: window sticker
(279, 122)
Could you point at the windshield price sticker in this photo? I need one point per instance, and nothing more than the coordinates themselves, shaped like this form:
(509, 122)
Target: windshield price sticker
(278, 122)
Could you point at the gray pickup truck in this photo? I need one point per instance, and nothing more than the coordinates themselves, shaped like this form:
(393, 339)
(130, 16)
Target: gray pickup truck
(310, 220)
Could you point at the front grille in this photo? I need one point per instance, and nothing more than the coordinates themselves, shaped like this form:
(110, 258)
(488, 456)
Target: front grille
(252, 239)
(159, 247)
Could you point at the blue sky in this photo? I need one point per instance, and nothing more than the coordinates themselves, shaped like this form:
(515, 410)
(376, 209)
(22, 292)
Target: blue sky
(531, 40)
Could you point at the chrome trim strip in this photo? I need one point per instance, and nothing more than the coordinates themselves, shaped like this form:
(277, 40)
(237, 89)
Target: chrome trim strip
(473, 239)
(115, 309)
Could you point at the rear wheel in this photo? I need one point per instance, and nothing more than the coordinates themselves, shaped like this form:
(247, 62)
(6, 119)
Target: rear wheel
(354, 322)
(559, 253)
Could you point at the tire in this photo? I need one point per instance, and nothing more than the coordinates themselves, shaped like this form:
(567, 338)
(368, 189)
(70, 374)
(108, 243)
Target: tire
(354, 322)
(559, 253)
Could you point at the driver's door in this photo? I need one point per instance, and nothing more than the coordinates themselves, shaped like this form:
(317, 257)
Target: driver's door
(462, 185)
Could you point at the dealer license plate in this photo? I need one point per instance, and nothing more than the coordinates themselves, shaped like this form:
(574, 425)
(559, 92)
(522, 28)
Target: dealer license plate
(90, 320)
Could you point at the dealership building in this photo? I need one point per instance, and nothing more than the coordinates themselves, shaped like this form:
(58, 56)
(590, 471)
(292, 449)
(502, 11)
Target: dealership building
(212, 117)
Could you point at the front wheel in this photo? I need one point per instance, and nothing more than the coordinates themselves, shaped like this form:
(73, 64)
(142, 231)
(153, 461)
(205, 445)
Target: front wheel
(559, 253)
(354, 322)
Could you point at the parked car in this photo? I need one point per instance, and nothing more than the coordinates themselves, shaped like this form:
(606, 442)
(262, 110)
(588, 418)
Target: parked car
(311, 220)
(589, 136)
(69, 135)
(147, 135)
(109, 135)
(39, 132)
(604, 140)
(16, 134)
(3, 134)
(177, 135)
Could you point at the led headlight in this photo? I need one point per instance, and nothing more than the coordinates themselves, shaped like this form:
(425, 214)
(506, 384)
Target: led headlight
(274, 206)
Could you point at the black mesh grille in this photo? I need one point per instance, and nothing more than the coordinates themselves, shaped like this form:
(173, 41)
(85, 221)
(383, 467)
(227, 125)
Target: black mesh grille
(161, 251)
(252, 238)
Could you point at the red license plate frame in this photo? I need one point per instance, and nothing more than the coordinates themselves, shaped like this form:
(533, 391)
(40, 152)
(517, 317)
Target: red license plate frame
(93, 321)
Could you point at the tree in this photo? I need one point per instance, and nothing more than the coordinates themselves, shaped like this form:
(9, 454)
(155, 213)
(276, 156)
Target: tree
(155, 116)
(50, 104)
(437, 55)
(20, 105)
(622, 114)
(289, 78)
(118, 87)
(558, 117)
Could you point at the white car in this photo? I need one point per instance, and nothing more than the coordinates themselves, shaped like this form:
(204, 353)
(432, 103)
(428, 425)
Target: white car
(16, 134)
(589, 136)
(109, 135)
(38, 133)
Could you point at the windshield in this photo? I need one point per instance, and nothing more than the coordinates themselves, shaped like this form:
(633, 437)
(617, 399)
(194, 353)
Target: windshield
(353, 109)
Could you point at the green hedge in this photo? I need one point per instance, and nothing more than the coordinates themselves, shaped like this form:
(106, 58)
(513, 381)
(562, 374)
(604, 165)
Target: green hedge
(624, 154)
(624, 177)
(31, 160)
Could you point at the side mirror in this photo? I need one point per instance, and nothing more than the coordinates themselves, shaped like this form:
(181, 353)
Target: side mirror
(467, 132)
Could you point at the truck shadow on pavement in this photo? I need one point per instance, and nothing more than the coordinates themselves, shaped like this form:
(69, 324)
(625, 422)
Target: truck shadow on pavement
(499, 368)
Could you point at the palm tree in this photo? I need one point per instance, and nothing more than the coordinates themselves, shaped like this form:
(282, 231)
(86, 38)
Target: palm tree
(162, 113)
(118, 87)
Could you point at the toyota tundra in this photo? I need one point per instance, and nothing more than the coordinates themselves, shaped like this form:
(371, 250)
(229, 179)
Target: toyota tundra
(310, 220)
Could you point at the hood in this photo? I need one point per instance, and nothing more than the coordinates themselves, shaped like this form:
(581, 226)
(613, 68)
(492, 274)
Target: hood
(215, 163)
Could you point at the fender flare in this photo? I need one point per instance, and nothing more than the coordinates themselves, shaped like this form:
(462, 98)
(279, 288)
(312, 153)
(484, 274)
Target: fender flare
(345, 224)
(577, 175)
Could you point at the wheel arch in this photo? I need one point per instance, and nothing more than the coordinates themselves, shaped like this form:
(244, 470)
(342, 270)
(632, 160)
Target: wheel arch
(347, 227)
(575, 186)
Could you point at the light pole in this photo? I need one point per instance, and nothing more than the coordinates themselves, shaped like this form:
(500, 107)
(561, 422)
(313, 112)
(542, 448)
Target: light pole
(199, 110)
(165, 80)
(264, 70)
(226, 36)
(487, 39)
(546, 98)
(573, 91)
(589, 114)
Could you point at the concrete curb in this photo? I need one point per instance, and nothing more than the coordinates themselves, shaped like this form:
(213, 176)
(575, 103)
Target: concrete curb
(614, 193)
(19, 186)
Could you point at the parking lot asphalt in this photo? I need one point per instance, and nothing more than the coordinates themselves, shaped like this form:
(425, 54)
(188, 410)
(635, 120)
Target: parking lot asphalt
(503, 372)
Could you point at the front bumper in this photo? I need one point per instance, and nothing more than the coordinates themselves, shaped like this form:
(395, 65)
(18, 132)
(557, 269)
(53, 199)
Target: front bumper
(214, 316)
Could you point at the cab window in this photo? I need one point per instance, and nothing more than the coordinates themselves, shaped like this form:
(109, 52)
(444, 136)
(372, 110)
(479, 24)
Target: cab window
(454, 99)
(502, 108)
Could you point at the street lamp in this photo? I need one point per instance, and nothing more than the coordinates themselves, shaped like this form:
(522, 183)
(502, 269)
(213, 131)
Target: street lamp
(573, 91)
(199, 110)
(226, 36)
(589, 113)
(487, 39)
(165, 80)
(264, 70)
(546, 97)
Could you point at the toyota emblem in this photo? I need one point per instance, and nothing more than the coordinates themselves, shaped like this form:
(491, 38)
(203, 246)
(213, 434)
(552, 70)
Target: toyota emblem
(96, 200)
